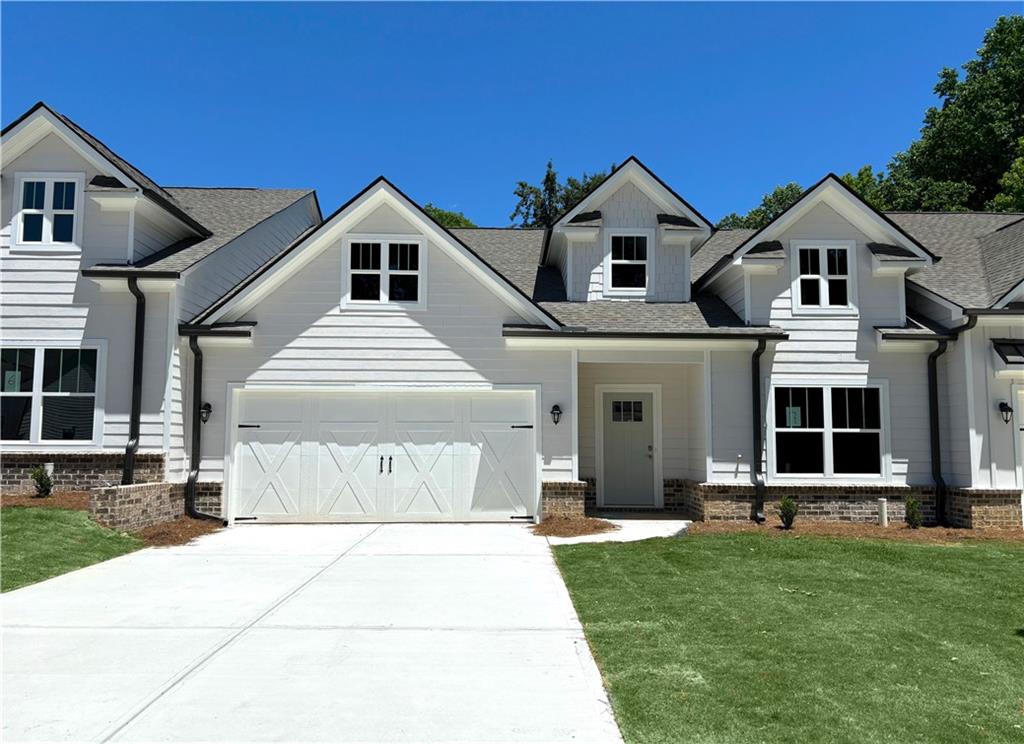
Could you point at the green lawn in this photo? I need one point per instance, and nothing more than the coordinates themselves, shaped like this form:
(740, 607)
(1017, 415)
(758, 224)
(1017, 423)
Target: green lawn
(36, 544)
(736, 638)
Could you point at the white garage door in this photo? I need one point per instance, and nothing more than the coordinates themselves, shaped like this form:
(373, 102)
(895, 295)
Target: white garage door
(305, 457)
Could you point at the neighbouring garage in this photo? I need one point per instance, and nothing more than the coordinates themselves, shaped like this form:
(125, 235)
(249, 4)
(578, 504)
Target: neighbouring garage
(384, 456)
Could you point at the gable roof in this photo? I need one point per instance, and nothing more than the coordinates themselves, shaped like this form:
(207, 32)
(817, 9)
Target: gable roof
(230, 212)
(815, 192)
(381, 189)
(149, 187)
(982, 254)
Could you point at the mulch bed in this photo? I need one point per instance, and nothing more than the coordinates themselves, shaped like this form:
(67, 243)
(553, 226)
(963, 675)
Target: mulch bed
(860, 530)
(570, 527)
(178, 532)
(75, 500)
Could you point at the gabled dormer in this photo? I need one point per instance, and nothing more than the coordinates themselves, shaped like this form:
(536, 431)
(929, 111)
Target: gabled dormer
(628, 239)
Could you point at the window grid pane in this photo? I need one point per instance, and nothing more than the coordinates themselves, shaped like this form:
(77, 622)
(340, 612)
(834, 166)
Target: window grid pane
(63, 228)
(67, 417)
(33, 195)
(32, 228)
(16, 417)
(64, 195)
(18, 366)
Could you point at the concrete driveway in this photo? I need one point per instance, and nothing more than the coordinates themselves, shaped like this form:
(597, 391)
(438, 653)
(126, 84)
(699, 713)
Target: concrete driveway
(369, 633)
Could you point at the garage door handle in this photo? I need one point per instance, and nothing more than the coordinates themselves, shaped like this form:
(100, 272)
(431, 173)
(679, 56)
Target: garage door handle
(521, 426)
(248, 426)
(389, 464)
(382, 463)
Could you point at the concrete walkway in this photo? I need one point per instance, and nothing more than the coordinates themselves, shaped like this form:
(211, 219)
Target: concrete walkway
(369, 633)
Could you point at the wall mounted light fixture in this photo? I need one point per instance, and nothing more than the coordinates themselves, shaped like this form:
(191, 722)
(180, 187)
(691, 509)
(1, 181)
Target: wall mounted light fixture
(204, 412)
(556, 413)
(1005, 411)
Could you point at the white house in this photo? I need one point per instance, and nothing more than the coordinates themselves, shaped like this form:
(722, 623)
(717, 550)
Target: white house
(278, 365)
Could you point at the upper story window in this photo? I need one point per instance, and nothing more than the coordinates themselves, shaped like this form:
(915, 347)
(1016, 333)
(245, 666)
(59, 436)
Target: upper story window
(49, 394)
(384, 272)
(823, 278)
(628, 262)
(50, 209)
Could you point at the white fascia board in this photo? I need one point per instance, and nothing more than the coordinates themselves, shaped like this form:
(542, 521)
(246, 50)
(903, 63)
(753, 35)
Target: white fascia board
(578, 232)
(627, 344)
(893, 268)
(341, 223)
(768, 266)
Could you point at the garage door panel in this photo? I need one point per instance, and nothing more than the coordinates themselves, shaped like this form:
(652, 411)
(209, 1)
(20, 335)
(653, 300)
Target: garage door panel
(348, 470)
(271, 471)
(501, 465)
(423, 471)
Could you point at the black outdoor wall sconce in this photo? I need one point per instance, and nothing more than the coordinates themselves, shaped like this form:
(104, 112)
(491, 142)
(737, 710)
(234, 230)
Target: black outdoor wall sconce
(204, 412)
(1005, 411)
(556, 413)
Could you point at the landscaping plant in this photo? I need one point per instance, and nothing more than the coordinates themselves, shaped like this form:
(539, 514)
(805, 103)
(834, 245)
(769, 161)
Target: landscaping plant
(787, 511)
(43, 481)
(914, 517)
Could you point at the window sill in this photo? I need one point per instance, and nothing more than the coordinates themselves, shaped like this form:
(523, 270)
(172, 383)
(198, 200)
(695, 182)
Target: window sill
(838, 312)
(48, 248)
(383, 307)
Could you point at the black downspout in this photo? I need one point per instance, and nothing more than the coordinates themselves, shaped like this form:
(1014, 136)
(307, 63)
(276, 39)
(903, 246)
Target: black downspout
(195, 456)
(755, 395)
(128, 473)
(933, 420)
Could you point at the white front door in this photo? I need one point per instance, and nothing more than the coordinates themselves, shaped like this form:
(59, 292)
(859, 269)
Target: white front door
(385, 457)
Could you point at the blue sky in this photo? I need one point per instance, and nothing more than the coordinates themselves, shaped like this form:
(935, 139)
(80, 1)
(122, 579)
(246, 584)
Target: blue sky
(457, 102)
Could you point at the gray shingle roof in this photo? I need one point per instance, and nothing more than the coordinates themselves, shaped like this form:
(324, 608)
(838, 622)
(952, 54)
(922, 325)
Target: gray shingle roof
(720, 244)
(887, 252)
(975, 263)
(228, 212)
(515, 254)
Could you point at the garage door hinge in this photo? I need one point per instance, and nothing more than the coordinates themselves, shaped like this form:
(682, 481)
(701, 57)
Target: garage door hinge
(248, 426)
(521, 426)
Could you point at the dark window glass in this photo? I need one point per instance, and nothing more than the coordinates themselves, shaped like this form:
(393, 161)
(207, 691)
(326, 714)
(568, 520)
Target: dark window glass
(18, 365)
(799, 408)
(856, 408)
(64, 195)
(837, 296)
(366, 287)
(32, 228)
(872, 409)
(640, 249)
(638, 410)
(616, 410)
(63, 228)
(15, 417)
(809, 261)
(366, 256)
(69, 371)
(403, 257)
(629, 276)
(839, 417)
(403, 288)
(810, 292)
(836, 260)
(33, 195)
(856, 453)
(629, 248)
(51, 371)
(67, 417)
(799, 452)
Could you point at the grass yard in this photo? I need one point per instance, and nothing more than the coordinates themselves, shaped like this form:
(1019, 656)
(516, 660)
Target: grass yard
(736, 638)
(38, 543)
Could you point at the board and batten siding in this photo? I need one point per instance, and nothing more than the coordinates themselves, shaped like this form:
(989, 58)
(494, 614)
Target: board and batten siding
(212, 277)
(304, 339)
(682, 413)
(44, 300)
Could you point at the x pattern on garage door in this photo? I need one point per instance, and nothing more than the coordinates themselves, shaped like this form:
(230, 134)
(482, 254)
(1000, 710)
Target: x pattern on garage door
(396, 456)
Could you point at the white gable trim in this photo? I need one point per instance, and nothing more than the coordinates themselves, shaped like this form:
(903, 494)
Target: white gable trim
(846, 204)
(341, 222)
(632, 172)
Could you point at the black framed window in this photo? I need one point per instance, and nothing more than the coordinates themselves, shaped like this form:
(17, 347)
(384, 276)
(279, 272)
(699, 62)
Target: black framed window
(824, 277)
(799, 430)
(629, 262)
(48, 394)
(385, 272)
(48, 210)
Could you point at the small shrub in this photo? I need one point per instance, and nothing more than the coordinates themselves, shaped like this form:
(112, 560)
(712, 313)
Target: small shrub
(914, 517)
(44, 484)
(787, 511)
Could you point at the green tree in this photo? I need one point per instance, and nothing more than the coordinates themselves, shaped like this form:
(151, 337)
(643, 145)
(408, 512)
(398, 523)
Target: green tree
(1011, 195)
(968, 142)
(772, 205)
(868, 183)
(447, 217)
(540, 206)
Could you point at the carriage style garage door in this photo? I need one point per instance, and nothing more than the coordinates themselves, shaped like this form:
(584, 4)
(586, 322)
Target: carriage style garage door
(305, 457)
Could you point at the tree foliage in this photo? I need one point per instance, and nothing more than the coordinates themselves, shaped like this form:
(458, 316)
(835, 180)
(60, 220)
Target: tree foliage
(1011, 186)
(448, 218)
(540, 206)
(772, 205)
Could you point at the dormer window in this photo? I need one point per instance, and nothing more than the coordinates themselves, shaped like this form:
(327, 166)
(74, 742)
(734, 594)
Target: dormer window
(628, 262)
(50, 209)
(823, 281)
(384, 272)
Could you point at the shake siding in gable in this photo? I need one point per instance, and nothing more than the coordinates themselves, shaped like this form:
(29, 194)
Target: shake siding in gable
(304, 339)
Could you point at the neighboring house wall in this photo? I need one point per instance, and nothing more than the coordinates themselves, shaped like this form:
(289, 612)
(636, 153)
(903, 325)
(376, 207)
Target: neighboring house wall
(212, 277)
(304, 339)
(682, 413)
(45, 302)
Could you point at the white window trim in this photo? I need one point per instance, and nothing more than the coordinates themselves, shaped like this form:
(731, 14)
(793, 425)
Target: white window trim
(35, 433)
(384, 240)
(610, 291)
(850, 310)
(829, 477)
(47, 243)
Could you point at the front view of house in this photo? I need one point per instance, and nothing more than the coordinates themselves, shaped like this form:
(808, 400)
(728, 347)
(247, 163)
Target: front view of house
(274, 364)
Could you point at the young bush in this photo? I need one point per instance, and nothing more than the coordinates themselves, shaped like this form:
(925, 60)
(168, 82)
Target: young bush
(914, 516)
(787, 511)
(44, 484)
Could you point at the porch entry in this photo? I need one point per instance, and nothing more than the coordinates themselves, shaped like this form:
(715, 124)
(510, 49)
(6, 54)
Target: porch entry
(628, 471)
